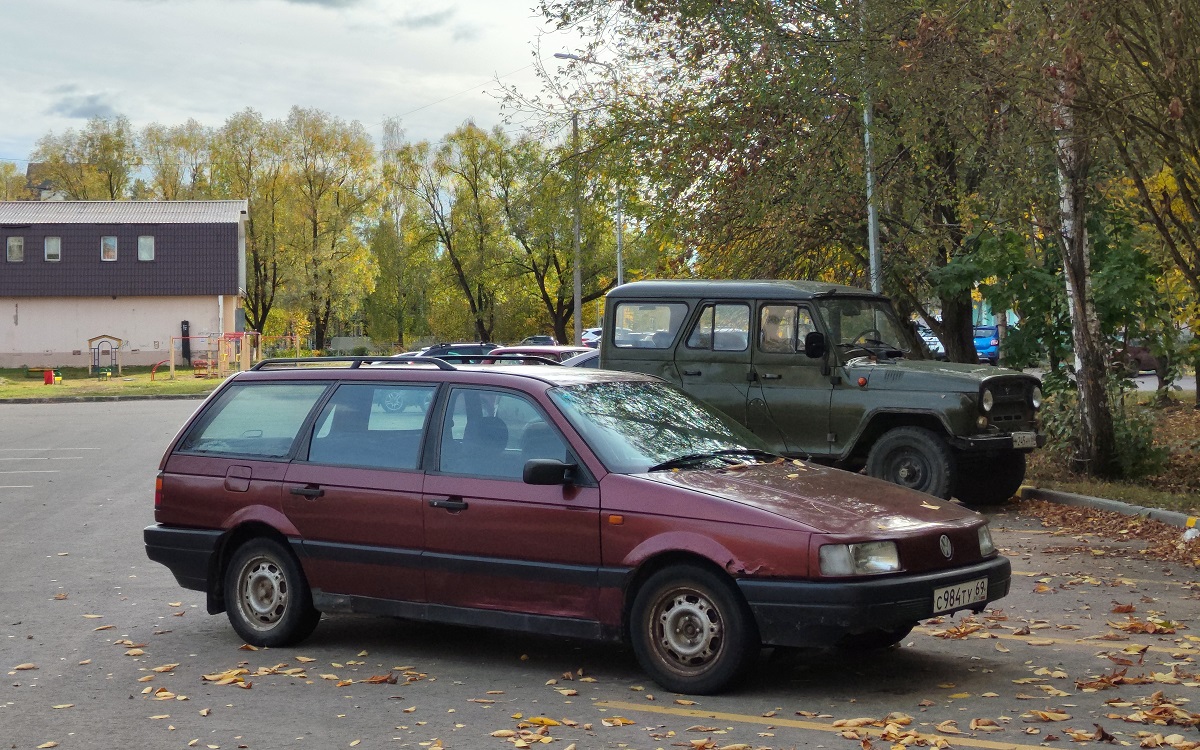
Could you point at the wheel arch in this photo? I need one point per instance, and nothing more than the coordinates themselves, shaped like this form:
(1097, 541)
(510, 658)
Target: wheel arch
(227, 546)
(665, 559)
(881, 422)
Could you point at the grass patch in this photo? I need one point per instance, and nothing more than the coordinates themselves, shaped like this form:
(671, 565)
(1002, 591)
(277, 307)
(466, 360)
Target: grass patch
(76, 382)
(1176, 487)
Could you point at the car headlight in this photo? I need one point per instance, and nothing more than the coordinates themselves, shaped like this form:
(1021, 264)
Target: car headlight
(987, 400)
(1035, 397)
(986, 546)
(864, 558)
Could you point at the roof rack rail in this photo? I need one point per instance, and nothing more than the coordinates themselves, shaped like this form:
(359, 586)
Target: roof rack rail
(352, 363)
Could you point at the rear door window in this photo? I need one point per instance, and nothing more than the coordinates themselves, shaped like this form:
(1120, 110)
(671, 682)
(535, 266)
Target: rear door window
(254, 419)
(372, 424)
(721, 328)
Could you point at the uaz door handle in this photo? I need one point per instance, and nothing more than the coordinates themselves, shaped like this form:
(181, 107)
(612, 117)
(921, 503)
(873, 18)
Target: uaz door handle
(310, 492)
(449, 503)
(691, 372)
(771, 376)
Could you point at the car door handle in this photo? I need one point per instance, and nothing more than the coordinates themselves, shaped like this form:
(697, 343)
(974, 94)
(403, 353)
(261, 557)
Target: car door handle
(449, 503)
(309, 492)
(691, 372)
(771, 376)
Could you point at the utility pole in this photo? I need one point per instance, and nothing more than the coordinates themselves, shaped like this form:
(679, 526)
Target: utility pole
(876, 259)
(619, 208)
(578, 272)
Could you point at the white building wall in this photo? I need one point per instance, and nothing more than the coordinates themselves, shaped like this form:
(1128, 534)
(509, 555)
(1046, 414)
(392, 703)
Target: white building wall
(54, 331)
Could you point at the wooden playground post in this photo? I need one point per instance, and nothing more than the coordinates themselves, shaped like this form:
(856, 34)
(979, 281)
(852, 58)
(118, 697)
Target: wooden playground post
(171, 347)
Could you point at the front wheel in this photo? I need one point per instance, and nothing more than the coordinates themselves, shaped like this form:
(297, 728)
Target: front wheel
(691, 630)
(266, 595)
(992, 481)
(913, 457)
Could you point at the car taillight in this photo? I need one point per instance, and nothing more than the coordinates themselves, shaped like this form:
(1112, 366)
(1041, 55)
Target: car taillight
(158, 491)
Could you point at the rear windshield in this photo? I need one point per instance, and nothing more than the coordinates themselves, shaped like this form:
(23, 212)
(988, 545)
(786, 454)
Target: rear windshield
(254, 419)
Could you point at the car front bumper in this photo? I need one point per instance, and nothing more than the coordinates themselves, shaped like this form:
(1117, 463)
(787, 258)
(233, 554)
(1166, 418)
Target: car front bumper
(818, 614)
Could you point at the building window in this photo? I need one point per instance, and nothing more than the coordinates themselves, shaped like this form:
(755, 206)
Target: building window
(146, 247)
(108, 248)
(54, 249)
(16, 249)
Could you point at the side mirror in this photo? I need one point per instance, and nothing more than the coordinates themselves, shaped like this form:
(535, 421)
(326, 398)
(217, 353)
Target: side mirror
(548, 471)
(814, 345)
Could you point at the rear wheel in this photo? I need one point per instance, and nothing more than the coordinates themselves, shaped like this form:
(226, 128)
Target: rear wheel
(913, 457)
(691, 630)
(992, 481)
(266, 595)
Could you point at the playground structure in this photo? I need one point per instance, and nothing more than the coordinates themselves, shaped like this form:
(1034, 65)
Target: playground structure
(106, 356)
(219, 355)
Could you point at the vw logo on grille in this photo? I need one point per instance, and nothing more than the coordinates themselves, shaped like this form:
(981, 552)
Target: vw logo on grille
(945, 546)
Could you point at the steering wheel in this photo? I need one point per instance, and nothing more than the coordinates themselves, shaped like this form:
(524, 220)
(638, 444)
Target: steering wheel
(866, 337)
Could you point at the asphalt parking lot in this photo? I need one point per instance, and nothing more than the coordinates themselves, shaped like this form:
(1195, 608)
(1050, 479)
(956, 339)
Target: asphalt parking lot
(100, 648)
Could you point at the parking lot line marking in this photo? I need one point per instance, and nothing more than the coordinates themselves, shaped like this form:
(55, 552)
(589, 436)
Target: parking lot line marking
(817, 726)
(41, 458)
(45, 450)
(1093, 642)
(16, 486)
(31, 471)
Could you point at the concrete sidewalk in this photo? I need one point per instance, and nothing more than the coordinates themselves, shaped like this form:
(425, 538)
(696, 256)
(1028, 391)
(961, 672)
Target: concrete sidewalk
(1174, 518)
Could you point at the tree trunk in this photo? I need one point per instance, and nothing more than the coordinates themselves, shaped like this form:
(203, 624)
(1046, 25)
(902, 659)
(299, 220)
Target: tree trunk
(957, 332)
(1096, 439)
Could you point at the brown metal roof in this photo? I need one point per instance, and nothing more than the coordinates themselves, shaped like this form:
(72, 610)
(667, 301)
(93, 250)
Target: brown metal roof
(120, 212)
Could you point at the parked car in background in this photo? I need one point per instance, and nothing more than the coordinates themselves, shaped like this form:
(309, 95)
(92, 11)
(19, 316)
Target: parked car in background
(932, 342)
(591, 337)
(587, 359)
(552, 353)
(461, 349)
(539, 340)
(651, 518)
(987, 344)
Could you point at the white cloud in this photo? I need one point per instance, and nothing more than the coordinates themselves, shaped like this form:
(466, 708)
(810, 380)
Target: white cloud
(167, 61)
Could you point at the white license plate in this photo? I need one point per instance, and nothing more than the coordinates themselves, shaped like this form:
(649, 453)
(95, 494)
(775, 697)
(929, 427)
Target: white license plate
(1024, 439)
(959, 595)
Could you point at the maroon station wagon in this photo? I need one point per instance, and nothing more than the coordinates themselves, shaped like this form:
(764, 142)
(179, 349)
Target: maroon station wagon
(294, 491)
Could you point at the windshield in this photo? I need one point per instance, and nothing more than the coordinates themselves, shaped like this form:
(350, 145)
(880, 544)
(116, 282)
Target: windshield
(868, 324)
(634, 425)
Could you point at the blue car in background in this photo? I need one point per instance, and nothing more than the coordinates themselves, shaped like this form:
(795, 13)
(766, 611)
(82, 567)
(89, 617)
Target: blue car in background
(987, 344)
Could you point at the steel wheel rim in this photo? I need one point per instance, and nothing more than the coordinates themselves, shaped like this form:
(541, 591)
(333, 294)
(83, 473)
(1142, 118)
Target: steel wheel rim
(908, 468)
(263, 592)
(686, 630)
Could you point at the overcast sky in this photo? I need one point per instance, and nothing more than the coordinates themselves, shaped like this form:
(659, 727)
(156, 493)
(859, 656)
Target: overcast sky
(433, 63)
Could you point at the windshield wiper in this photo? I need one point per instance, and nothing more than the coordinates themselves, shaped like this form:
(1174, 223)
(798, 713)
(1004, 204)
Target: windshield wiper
(874, 346)
(699, 459)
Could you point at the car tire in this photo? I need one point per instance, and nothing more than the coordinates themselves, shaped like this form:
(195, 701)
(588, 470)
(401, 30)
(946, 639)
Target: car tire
(913, 457)
(875, 640)
(393, 400)
(267, 597)
(993, 481)
(691, 630)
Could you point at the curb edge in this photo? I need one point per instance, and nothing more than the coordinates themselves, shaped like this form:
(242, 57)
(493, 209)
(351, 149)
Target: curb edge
(1171, 517)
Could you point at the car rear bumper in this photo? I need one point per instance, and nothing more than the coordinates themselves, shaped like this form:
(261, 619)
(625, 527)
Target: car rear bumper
(187, 553)
(807, 613)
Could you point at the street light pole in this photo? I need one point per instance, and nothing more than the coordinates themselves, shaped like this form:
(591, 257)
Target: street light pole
(619, 207)
(578, 274)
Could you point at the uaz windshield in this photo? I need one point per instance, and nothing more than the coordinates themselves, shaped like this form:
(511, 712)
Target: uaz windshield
(864, 323)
